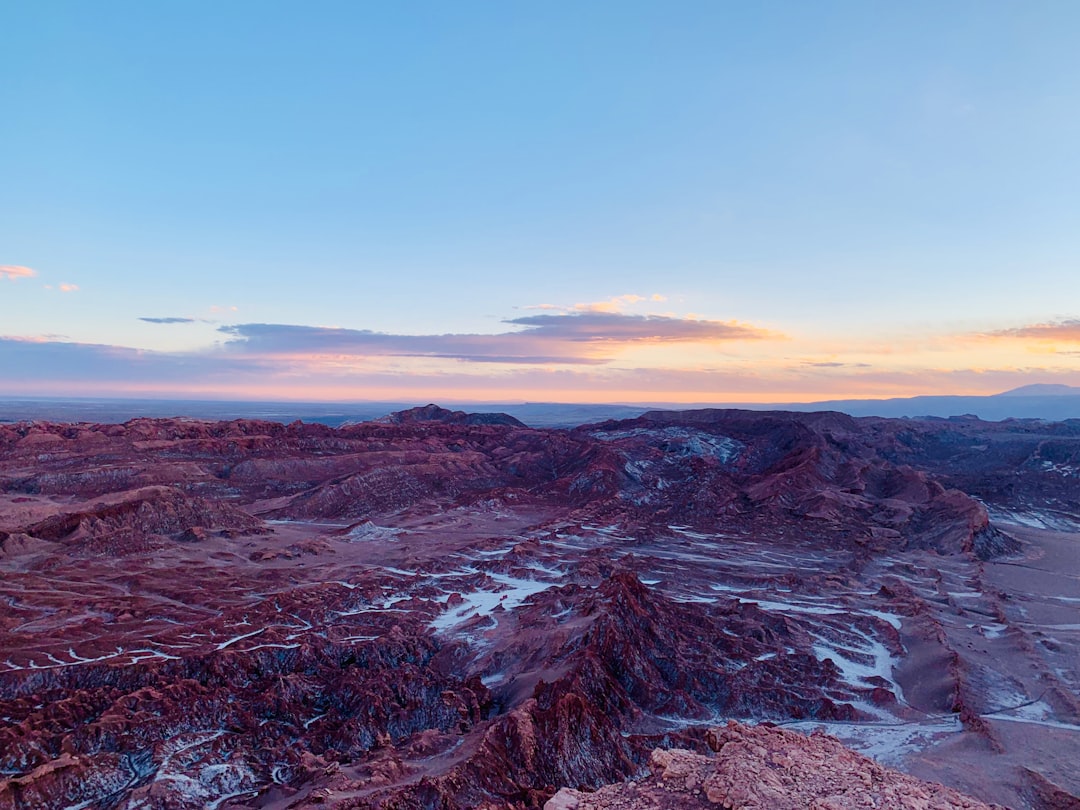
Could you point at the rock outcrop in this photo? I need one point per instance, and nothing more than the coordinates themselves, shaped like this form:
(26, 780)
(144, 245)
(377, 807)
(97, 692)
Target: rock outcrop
(433, 413)
(762, 768)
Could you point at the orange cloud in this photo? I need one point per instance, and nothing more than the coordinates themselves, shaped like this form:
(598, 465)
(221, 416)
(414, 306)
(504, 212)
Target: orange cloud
(13, 272)
(616, 304)
(1060, 331)
(65, 287)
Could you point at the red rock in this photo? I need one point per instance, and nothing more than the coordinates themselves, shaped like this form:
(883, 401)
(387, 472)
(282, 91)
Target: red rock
(761, 768)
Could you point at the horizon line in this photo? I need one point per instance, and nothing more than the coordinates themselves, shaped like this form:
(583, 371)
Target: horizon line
(512, 401)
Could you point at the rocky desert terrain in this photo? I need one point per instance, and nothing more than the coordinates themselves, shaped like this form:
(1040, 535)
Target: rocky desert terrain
(447, 610)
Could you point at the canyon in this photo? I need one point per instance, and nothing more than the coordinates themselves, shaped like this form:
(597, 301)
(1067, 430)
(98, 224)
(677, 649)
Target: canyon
(447, 610)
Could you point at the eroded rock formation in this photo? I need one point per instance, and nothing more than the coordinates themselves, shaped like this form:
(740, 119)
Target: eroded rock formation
(451, 612)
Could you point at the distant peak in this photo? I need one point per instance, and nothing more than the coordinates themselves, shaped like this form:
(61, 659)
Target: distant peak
(434, 413)
(1043, 390)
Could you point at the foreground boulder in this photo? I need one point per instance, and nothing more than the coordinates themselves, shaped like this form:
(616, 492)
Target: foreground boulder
(767, 768)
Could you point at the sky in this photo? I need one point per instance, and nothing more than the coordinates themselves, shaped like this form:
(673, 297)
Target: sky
(641, 202)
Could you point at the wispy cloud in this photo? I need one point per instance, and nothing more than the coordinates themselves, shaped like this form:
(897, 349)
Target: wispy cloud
(13, 272)
(599, 326)
(1067, 330)
(168, 320)
(616, 304)
(834, 364)
(313, 341)
(580, 338)
(65, 287)
(34, 360)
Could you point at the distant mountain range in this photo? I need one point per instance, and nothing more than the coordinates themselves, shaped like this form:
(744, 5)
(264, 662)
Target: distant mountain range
(1039, 401)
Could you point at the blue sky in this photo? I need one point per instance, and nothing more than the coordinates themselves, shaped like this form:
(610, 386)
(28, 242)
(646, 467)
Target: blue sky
(846, 198)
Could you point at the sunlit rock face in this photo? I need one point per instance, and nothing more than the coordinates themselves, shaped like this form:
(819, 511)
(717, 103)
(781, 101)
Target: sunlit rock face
(761, 767)
(456, 611)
